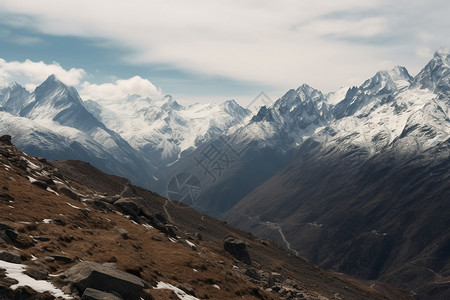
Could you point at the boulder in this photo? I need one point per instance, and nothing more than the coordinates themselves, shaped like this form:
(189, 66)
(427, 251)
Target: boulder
(10, 256)
(11, 234)
(5, 227)
(129, 207)
(104, 278)
(68, 192)
(252, 273)
(93, 294)
(238, 249)
(45, 179)
(40, 184)
(36, 274)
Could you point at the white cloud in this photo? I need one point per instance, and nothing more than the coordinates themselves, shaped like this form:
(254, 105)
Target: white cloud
(279, 43)
(30, 73)
(120, 89)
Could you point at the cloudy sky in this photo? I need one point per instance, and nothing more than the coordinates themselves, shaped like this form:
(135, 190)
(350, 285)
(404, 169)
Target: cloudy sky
(209, 50)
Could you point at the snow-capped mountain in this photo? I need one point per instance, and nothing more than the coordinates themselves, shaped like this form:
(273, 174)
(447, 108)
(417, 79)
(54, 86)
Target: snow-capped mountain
(163, 130)
(367, 194)
(52, 121)
(129, 137)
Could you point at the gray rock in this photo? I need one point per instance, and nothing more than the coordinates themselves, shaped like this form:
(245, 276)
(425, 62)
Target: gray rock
(5, 227)
(41, 238)
(68, 192)
(238, 249)
(93, 294)
(10, 256)
(40, 184)
(36, 274)
(277, 277)
(11, 234)
(46, 179)
(128, 207)
(49, 259)
(252, 273)
(93, 275)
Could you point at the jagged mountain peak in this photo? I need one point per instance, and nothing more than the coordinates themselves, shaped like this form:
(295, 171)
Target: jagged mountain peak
(233, 108)
(387, 81)
(302, 94)
(53, 88)
(169, 103)
(435, 75)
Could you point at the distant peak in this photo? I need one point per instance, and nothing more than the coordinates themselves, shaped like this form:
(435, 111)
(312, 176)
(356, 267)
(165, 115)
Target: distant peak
(170, 102)
(52, 80)
(305, 87)
(15, 86)
(231, 103)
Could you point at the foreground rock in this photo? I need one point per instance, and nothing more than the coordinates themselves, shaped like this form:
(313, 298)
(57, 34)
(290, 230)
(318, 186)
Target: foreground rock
(12, 257)
(104, 278)
(238, 249)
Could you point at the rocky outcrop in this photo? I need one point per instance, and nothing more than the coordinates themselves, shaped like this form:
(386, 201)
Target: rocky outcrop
(105, 278)
(238, 249)
(10, 256)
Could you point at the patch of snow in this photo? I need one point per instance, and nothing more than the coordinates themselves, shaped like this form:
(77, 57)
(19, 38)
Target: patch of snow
(216, 286)
(172, 240)
(52, 191)
(192, 245)
(147, 226)
(31, 164)
(195, 270)
(47, 221)
(76, 207)
(32, 179)
(181, 294)
(16, 271)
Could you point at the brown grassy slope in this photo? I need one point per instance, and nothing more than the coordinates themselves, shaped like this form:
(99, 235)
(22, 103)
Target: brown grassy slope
(85, 233)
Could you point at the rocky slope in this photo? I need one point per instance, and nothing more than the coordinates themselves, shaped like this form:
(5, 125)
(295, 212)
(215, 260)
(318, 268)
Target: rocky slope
(71, 231)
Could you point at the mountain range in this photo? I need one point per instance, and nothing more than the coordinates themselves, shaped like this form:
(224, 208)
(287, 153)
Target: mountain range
(354, 180)
(132, 137)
